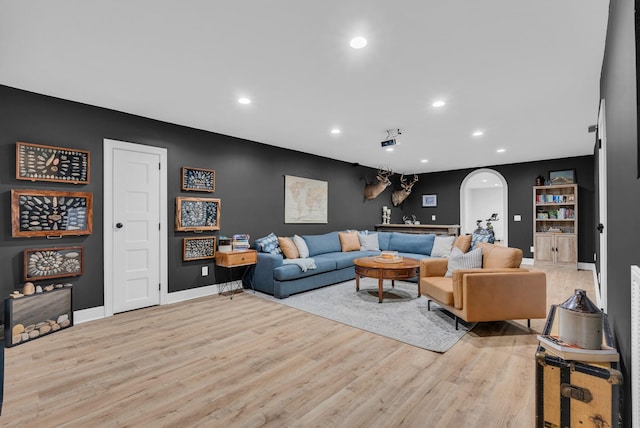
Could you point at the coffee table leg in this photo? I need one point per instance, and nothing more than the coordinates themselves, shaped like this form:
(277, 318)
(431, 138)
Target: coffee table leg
(357, 282)
(379, 290)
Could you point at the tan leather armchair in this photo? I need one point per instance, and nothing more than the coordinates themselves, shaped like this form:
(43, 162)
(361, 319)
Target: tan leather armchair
(498, 291)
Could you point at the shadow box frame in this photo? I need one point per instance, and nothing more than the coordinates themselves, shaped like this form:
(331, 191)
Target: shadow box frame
(16, 209)
(181, 201)
(185, 172)
(63, 251)
(185, 250)
(51, 154)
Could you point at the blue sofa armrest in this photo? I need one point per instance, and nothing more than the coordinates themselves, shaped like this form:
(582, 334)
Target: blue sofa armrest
(263, 271)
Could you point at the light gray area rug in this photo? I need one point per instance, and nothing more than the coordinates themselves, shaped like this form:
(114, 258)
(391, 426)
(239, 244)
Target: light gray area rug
(402, 316)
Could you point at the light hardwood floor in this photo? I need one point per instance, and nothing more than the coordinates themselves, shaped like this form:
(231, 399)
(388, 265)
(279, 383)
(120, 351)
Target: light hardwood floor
(248, 362)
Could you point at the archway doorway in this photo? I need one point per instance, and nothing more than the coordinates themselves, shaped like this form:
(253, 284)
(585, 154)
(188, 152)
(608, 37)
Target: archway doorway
(482, 193)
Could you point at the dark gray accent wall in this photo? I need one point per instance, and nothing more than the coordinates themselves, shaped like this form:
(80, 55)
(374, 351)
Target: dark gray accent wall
(618, 86)
(249, 183)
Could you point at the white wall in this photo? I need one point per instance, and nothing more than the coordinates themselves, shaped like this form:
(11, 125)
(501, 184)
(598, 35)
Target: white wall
(481, 203)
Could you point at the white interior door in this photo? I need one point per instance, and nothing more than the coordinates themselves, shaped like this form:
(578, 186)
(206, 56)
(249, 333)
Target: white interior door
(602, 203)
(133, 221)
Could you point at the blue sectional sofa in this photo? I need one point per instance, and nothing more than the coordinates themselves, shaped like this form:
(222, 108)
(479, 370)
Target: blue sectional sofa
(333, 265)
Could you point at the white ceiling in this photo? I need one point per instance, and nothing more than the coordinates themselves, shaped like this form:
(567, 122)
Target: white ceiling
(525, 72)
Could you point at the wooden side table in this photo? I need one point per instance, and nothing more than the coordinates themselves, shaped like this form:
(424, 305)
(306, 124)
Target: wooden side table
(236, 259)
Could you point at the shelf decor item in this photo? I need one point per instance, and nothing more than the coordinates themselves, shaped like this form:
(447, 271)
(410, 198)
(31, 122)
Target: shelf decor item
(51, 214)
(197, 214)
(567, 176)
(36, 162)
(430, 201)
(199, 248)
(198, 179)
(56, 262)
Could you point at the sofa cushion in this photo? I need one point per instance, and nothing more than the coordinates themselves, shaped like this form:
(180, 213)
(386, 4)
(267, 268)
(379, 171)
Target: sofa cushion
(368, 241)
(384, 239)
(301, 245)
(320, 244)
(460, 260)
(463, 242)
(494, 256)
(442, 246)
(412, 242)
(268, 244)
(439, 288)
(349, 241)
(343, 259)
(289, 272)
(289, 249)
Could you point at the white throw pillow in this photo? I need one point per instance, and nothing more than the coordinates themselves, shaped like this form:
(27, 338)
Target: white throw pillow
(460, 260)
(303, 250)
(368, 241)
(442, 246)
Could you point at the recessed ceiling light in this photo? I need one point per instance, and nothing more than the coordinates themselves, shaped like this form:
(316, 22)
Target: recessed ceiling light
(335, 131)
(501, 150)
(358, 42)
(438, 103)
(478, 133)
(244, 100)
(424, 160)
(484, 181)
(389, 149)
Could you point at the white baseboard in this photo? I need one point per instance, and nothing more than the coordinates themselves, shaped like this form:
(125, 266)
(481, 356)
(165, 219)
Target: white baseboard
(85, 315)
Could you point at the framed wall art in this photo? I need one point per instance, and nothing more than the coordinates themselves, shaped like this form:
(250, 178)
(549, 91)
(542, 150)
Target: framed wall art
(50, 213)
(305, 200)
(198, 179)
(197, 214)
(35, 162)
(202, 247)
(567, 176)
(430, 201)
(56, 262)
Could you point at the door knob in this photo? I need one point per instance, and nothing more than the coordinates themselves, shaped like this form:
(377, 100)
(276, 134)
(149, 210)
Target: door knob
(119, 225)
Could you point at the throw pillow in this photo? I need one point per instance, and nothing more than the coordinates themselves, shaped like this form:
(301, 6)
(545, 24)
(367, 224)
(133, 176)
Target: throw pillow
(481, 237)
(268, 244)
(463, 242)
(301, 245)
(349, 241)
(442, 246)
(460, 260)
(369, 241)
(289, 249)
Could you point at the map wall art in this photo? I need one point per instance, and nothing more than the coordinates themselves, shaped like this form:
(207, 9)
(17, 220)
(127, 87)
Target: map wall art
(305, 200)
(57, 262)
(198, 179)
(50, 213)
(36, 162)
(197, 214)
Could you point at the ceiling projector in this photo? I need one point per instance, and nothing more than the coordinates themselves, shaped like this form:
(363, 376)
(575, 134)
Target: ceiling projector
(387, 143)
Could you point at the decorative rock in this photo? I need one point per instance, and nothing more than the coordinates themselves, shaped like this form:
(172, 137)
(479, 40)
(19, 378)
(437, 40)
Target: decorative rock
(28, 289)
(29, 328)
(25, 337)
(16, 339)
(65, 323)
(51, 322)
(17, 329)
(16, 295)
(48, 287)
(68, 285)
(55, 327)
(38, 289)
(40, 324)
(45, 329)
(33, 334)
(61, 318)
(59, 285)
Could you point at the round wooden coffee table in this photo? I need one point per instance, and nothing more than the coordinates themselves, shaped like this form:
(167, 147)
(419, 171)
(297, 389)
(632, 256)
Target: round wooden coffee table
(371, 268)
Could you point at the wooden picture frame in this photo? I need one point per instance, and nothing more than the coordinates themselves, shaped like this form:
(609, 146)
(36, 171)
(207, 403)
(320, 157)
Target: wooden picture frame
(201, 247)
(50, 213)
(37, 162)
(50, 309)
(430, 200)
(197, 214)
(198, 179)
(567, 176)
(54, 262)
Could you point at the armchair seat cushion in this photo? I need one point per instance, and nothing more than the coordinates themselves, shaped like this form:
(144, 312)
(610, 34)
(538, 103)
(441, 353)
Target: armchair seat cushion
(440, 288)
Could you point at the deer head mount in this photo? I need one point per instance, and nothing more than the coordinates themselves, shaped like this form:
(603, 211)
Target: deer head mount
(399, 196)
(372, 190)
